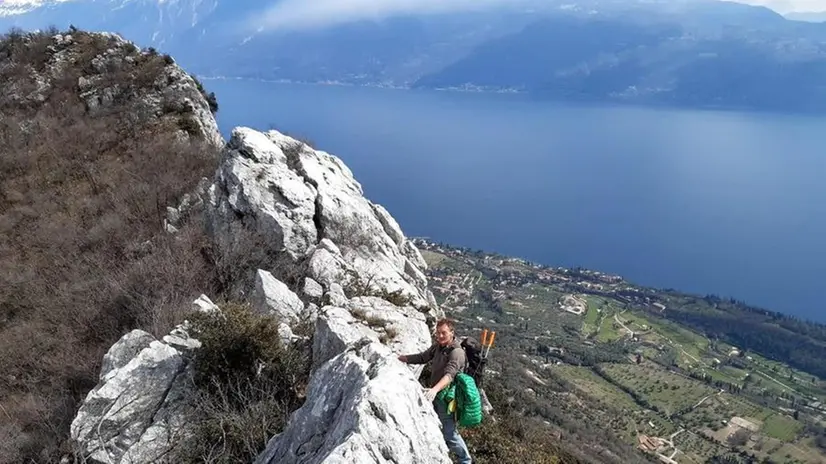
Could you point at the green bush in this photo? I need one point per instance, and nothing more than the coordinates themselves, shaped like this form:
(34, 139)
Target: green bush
(212, 100)
(239, 344)
(210, 97)
(248, 385)
(189, 125)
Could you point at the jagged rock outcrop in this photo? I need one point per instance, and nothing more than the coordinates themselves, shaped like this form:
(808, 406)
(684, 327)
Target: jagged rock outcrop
(107, 71)
(328, 256)
(367, 279)
(362, 407)
(305, 204)
(139, 408)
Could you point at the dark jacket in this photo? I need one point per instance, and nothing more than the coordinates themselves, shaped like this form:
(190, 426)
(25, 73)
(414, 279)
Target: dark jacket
(449, 360)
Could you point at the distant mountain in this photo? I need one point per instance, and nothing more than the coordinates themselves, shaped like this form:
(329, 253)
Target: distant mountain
(620, 60)
(215, 38)
(704, 53)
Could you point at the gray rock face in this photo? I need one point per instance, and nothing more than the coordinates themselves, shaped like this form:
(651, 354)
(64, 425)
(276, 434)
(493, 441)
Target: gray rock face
(256, 189)
(362, 406)
(330, 256)
(273, 297)
(306, 203)
(124, 351)
(118, 414)
(203, 303)
(139, 409)
(403, 329)
(313, 289)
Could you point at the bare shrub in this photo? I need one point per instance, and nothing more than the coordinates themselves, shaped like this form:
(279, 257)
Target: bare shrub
(83, 252)
(242, 252)
(361, 287)
(248, 385)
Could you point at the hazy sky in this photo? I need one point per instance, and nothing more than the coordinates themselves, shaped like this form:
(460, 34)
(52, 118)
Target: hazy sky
(318, 13)
(785, 6)
(310, 13)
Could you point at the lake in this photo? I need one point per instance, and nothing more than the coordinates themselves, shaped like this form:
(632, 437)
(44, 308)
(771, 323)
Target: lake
(705, 202)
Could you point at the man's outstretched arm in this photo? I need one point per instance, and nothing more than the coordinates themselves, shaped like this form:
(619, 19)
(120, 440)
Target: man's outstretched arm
(419, 358)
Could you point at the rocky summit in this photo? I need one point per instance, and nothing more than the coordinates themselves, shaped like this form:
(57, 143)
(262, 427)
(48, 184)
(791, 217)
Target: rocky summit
(339, 262)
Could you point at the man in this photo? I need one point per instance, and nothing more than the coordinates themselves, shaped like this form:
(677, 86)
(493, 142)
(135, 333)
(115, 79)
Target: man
(448, 360)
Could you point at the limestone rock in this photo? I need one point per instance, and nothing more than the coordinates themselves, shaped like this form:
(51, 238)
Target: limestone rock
(307, 204)
(124, 351)
(312, 289)
(300, 217)
(139, 410)
(403, 329)
(180, 339)
(335, 329)
(203, 303)
(115, 415)
(268, 198)
(274, 297)
(362, 406)
(336, 296)
(327, 266)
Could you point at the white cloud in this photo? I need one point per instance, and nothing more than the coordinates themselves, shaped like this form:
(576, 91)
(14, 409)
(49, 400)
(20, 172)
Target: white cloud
(302, 14)
(787, 6)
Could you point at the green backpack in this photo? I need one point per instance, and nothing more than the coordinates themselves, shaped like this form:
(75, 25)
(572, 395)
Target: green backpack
(462, 398)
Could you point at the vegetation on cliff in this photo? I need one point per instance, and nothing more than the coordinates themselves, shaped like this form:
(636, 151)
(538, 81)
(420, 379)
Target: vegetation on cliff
(92, 154)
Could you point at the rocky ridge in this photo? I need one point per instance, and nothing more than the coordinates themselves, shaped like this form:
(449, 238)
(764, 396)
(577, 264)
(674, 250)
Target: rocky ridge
(106, 71)
(335, 259)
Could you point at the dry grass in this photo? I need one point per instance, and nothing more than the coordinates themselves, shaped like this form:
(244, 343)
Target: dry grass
(83, 254)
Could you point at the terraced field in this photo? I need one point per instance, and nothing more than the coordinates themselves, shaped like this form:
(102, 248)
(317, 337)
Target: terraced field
(621, 371)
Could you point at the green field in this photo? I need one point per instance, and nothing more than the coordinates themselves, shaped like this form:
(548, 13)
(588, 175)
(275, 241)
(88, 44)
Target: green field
(433, 259)
(592, 316)
(804, 451)
(722, 407)
(609, 330)
(628, 398)
(667, 391)
(782, 427)
(594, 385)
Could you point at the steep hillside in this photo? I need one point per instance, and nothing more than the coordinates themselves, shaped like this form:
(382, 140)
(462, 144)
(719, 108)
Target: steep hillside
(611, 366)
(124, 215)
(98, 137)
(297, 363)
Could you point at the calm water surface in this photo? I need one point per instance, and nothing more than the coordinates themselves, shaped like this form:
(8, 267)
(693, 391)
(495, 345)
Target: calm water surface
(706, 202)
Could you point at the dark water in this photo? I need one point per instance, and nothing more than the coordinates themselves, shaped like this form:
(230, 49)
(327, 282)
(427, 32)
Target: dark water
(707, 202)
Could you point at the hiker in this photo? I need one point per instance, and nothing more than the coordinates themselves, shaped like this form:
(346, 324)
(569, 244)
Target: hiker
(448, 359)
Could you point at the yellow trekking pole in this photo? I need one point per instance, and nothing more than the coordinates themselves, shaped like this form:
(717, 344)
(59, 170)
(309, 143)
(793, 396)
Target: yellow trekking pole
(490, 342)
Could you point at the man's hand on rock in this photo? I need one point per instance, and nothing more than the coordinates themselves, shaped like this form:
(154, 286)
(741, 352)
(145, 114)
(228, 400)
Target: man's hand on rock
(430, 394)
(402, 358)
